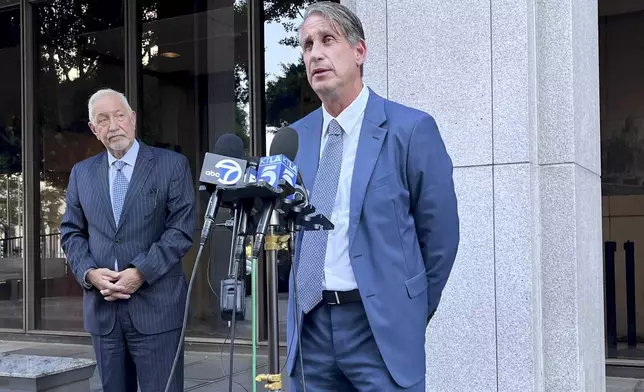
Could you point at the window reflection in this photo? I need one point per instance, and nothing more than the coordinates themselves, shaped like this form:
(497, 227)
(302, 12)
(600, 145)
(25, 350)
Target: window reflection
(11, 183)
(194, 60)
(9, 2)
(621, 36)
(80, 49)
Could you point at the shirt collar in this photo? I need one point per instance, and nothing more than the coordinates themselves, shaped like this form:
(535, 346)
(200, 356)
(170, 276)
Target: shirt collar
(349, 116)
(129, 157)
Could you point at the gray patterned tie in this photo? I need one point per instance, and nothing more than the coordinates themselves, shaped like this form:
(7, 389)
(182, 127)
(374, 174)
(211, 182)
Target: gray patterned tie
(310, 272)
(119, 189)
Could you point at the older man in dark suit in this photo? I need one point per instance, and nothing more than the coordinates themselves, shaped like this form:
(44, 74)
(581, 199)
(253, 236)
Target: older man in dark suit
(130, 219)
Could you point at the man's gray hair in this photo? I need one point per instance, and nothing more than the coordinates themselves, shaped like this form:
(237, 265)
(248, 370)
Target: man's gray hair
(100, 94)
(340, 17)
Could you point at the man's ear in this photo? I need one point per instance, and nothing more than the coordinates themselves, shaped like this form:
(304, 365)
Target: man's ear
(361, 52)
(93, 129)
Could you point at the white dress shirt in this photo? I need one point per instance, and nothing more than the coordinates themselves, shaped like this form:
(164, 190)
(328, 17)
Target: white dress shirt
(130, 159)
(338, 273)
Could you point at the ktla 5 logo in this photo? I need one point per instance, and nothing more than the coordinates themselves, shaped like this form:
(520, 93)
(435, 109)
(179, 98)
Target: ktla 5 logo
(274, 168)
(228, 172)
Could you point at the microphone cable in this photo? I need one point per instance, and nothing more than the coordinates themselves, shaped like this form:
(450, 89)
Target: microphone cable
(185, 316)
(221, 353)
(185, 322)
(234, 271)
(233, 328)
(210, 223)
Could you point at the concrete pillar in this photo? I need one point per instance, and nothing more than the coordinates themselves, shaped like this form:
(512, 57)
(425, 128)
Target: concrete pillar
(514, 87)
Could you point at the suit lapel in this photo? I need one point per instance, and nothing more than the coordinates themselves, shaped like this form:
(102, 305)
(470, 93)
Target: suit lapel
(308, 157)
(142, 168)
(370, 142)
(102, 176)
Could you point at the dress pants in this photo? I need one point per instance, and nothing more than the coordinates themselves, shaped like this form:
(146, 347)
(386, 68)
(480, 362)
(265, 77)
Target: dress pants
(340, 353)
(125, 355)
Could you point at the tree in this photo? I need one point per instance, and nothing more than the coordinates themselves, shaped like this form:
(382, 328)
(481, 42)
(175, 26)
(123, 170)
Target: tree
(289, 97)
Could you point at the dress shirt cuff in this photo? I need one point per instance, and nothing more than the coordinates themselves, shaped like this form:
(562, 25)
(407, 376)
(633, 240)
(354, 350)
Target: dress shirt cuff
(87, 284)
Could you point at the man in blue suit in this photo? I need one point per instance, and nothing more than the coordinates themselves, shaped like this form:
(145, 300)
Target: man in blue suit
(363, 293)
(130, 219)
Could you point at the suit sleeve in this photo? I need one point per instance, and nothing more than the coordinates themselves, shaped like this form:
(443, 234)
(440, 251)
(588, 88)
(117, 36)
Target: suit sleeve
(74, 233)
(433, 204)
(180, 227)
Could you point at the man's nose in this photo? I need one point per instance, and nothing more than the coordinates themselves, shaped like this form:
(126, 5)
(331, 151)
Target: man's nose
(316, 51)
(114, 125)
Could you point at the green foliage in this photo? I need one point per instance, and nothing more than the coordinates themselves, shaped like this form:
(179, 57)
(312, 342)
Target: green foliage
(10, 147)
(289, 97)
(70, 68)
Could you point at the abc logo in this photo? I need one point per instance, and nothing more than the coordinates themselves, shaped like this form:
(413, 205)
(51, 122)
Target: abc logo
(229, 172)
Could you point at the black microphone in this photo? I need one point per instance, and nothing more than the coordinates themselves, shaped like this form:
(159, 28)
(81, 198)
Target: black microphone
(222, 168)
(288, 144)
(243, 213)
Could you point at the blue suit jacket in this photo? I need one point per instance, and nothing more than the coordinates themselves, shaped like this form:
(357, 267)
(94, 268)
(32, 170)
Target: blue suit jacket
(403, 230)
(155, 231)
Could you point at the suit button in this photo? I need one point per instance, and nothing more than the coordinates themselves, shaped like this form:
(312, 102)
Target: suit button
(117, 242)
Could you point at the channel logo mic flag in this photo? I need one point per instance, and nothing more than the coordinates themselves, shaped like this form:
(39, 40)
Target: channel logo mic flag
(221, 170)
(275, 167)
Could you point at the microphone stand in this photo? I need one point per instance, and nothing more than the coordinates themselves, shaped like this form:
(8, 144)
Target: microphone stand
(273, 379)
(295, 217)
(245, 195)
(271, 248)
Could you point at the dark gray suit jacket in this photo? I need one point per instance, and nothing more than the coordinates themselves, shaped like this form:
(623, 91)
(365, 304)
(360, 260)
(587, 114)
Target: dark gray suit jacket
(155, 231)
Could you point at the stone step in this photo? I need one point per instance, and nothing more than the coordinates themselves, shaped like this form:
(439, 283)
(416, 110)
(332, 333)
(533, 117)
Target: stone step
(616, 384)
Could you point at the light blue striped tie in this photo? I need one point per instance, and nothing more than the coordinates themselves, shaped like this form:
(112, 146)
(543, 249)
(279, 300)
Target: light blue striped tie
(119, 189)
(310, 272)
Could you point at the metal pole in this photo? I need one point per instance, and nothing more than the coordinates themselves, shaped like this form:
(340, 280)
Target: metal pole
(271, 247)
(631, 316)
(271, 279)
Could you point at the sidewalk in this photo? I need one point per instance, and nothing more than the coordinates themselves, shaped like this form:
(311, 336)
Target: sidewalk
(624, 385)
(204, 372)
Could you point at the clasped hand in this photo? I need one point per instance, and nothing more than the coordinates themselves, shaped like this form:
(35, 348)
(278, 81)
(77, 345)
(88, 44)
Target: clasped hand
(116, 285)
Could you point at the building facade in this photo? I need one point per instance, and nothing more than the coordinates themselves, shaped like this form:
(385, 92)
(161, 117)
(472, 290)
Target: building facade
(515, 89)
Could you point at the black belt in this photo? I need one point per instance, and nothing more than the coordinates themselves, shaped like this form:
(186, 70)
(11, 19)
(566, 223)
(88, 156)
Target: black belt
(341, 297)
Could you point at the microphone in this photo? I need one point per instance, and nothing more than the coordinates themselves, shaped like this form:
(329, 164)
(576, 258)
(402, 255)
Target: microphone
(289, 147)
(243, 213)
(278, 166)
(221, 169)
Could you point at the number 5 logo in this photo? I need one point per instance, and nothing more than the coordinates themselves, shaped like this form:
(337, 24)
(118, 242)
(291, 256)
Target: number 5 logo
(289, 176)
(269, 175)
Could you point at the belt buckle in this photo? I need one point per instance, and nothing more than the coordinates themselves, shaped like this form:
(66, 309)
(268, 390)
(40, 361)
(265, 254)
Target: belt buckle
(337, 298)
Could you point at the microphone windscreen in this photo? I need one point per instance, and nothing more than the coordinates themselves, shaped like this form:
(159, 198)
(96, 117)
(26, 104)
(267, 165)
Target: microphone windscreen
(229, 145)
(285, 142)
(252, 161)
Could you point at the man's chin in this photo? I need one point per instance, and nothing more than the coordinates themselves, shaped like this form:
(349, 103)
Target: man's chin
(323, 89)
(120, 145)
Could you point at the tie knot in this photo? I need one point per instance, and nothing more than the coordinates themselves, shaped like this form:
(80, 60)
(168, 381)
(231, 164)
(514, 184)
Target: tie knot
(335, 128)
(119, 165)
